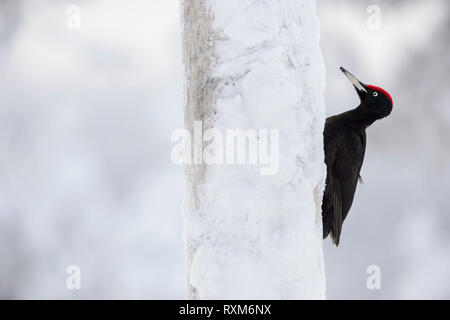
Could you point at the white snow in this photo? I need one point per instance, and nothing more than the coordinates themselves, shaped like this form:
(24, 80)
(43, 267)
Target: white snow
(254, 236)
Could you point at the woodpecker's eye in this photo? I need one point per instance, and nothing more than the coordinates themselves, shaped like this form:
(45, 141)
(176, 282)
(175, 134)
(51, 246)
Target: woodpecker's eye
(375, 94)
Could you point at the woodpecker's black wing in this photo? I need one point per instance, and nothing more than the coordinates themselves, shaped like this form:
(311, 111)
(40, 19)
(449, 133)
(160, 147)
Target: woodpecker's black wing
(344, 154)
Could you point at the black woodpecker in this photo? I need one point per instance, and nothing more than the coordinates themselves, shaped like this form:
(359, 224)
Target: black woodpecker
(345, 145)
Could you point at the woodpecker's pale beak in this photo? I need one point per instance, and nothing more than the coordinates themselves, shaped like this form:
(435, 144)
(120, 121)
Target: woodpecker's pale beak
(358, 84)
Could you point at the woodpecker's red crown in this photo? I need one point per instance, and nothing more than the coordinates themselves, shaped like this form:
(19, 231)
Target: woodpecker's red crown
(382, 91)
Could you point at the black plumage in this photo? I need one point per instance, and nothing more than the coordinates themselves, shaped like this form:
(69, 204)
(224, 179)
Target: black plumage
(345, 145)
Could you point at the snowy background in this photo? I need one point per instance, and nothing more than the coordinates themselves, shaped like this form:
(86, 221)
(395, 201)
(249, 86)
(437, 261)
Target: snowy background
(85, 171)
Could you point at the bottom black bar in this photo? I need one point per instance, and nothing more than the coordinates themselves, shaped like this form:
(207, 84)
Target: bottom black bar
(222, 309)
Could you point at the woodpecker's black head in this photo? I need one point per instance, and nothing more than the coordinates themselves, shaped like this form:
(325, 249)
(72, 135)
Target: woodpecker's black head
(374, 100)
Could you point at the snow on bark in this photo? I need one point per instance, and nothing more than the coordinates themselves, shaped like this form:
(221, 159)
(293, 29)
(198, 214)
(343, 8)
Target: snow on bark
(255, 64)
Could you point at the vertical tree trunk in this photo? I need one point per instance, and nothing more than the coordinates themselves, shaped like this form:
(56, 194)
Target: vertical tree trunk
(249, 234)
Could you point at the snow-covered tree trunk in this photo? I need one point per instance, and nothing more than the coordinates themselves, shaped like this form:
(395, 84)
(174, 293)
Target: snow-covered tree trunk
(254, 231)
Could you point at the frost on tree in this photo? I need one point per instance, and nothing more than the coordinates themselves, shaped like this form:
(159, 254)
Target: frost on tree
(255, 64)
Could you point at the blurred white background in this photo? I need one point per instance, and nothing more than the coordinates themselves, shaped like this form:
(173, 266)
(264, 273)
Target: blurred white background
(85, 171)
